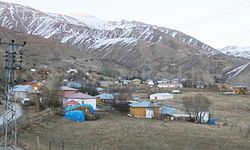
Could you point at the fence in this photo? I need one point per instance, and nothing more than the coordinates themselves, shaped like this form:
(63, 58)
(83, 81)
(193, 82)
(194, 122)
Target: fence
(59, 144)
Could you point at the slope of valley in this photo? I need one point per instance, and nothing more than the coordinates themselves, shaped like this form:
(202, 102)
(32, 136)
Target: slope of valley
(140, 49)
(40, 52)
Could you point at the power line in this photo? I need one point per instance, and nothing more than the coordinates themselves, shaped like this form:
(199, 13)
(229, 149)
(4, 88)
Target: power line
(230, 35)
(217, 14)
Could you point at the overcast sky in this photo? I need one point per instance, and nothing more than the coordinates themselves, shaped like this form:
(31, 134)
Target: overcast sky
(218, 23)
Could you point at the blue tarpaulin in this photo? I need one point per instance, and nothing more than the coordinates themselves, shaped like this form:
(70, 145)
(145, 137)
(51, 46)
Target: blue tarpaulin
(212, 121)
(76, 115)
(71, 108)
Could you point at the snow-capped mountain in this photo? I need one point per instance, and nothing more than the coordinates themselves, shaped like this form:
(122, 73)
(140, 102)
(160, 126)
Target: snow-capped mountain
(237, 51)
(87, 32)
(148, 49)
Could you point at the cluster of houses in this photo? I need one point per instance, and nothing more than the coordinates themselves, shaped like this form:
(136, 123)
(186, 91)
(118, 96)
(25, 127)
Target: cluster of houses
(155, 108)
(159, 83)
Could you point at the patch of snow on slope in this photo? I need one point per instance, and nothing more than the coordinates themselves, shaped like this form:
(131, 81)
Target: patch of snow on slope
(233, 73)
(236, 51)
(108, 42)
(92, 21)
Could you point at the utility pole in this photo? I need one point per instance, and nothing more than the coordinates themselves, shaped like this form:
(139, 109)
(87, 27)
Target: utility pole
(13, 61)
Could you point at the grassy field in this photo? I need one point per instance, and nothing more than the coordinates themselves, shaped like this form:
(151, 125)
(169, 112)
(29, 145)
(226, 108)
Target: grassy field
(114, 132)
(117, 131)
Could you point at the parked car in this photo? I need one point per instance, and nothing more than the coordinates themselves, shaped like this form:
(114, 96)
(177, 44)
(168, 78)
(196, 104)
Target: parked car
(176, 92)
(26, 101)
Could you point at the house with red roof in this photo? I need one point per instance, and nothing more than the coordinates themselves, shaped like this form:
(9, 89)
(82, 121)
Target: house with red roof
(71, 103)
(80, 98)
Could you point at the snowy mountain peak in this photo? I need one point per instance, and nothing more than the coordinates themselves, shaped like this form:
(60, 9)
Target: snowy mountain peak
(92, 21)
(237, 51)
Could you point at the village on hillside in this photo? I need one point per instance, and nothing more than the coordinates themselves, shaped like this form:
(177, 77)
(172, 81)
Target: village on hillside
(158, 78)
(86, 97)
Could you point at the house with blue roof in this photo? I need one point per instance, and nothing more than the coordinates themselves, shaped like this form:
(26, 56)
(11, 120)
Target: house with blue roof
(22, 91)
(74, 84)
(105, 97)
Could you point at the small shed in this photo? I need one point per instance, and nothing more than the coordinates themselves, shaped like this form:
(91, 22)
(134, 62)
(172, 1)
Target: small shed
(105, 83)
(105, 97)
(144, 110)
(162, 96)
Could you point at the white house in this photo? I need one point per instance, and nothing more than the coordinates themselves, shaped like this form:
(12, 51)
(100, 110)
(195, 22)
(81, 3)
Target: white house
(80, 98)
(151, 83)
(162, 96)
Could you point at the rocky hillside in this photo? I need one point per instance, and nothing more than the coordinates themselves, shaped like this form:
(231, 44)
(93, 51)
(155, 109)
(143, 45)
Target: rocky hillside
(144, 50)
(237, 51)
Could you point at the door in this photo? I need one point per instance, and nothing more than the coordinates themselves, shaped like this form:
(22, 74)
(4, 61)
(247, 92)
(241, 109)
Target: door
(149, 113)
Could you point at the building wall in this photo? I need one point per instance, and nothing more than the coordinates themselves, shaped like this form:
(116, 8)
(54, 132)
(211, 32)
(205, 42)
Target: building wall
(140, 112)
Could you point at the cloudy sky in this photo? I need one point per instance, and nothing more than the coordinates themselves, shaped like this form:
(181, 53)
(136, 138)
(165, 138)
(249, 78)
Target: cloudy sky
(218, 23)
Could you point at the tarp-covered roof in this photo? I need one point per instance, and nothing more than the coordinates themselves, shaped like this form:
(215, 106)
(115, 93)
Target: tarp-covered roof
(70, 108)
(76, 115)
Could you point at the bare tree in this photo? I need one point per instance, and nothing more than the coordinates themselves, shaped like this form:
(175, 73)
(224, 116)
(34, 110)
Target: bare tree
(187, 102)
(196, 104)
(51, 90)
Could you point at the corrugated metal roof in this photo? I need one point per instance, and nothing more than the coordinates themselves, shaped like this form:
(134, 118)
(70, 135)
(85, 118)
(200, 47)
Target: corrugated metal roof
(66, 88)
(100, 89)
(105, 96)
(167, 110)
(78, 95)
(23, 88)
(74, 84)
(143, 104)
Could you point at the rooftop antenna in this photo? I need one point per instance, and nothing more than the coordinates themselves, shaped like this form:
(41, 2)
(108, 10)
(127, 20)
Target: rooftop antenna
(12, 62)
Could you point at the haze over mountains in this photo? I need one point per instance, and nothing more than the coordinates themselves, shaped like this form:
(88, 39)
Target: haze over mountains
(139, 49)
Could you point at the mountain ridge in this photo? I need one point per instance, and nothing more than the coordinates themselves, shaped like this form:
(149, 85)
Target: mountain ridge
(146, 50)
